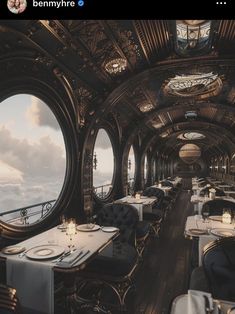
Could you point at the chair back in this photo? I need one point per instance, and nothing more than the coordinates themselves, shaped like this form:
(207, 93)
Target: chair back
(215, 207)
(219, 265)
(9, 302)
(167, 183)
(123, 216)
(152, 191)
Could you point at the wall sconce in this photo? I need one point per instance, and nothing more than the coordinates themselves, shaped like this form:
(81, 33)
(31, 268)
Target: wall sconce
(224, 167)
(216, 167)
(95, 161)
(210, 167)
(129, 164)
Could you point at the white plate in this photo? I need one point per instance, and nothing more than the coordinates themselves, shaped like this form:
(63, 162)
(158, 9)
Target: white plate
(215, 218)
(13, 249)
(223, 232)
(109, 229)
(45, 251)
(86, 229)
(197, 231)
(62, 227)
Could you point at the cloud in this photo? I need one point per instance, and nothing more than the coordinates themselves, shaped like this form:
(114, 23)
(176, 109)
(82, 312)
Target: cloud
(102, 140)
(9, 175)
(41, 115)
(41, 159)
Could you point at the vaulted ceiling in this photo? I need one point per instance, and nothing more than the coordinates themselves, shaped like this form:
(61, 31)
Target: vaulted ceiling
(145, 94)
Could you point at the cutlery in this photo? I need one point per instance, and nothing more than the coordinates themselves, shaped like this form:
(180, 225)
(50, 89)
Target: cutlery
(59, 259)
(79, 257)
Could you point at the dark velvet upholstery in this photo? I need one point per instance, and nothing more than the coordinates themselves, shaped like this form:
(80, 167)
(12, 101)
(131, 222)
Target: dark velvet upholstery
(219, 265)
(123, 216)
(142, 229)
(115, 265)
(118, 261)
(216, 206)
(152, 191)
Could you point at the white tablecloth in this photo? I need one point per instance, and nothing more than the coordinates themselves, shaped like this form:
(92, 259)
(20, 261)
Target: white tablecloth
(144, 204)
(195, 222)
(34, 279)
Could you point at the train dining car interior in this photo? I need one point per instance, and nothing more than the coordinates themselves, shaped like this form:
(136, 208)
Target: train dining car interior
(117, 166)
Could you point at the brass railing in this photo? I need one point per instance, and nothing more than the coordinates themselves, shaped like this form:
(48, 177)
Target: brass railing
(25, 213)
(102, 191)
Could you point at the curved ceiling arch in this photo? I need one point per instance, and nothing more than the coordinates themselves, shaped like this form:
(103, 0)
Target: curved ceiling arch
(224, 135)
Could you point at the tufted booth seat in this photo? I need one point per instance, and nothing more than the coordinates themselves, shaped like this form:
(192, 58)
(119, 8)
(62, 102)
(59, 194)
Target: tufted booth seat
(216, 206)
(115, 266)
(158, 210)
(118, 262)
(219, 266)
(123, 216)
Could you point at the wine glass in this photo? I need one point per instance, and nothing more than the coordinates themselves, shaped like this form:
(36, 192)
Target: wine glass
(90, 222)
(205, 215)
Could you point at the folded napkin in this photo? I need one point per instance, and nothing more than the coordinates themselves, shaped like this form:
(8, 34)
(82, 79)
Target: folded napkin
(71, 259)
(197, 302)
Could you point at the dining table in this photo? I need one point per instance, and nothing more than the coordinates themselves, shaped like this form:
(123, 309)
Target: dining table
(198, 201)
(32, 264)
(206, 231)
(142, 204)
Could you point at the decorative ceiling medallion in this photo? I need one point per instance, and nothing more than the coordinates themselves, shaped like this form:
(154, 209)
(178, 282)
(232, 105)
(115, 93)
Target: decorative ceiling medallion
(199, 86)
(115, 66)
(190, 153)
(188, 136)
(145, 107)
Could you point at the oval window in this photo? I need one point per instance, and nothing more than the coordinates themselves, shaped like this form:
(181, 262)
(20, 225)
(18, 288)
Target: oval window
(32, 160)
(145, 168)
(103, 165)
(131, 168)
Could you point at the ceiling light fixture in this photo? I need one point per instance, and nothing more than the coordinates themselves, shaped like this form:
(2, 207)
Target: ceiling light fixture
(145, 107)
(116, 65)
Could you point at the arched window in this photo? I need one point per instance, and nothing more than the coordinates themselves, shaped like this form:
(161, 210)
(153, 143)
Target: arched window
(145, 168)
(153, 171)
(103, 165)
(32, 160)
(131, 169)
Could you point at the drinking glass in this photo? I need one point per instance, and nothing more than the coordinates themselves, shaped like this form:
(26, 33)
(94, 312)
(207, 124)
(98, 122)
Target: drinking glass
(90, 222)
(205, 215)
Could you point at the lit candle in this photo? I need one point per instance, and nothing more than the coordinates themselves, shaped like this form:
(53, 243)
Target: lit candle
(226, 218)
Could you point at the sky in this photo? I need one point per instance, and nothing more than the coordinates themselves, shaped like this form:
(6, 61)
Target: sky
(33, 157)
(32, 153)
(105, 161)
